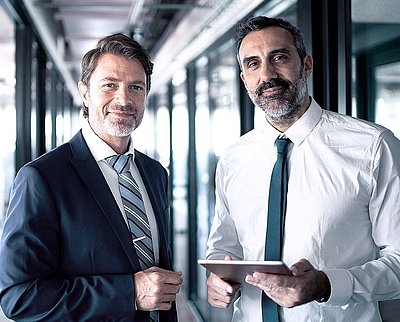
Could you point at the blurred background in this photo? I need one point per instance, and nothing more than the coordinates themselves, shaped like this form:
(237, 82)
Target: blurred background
(197, 105)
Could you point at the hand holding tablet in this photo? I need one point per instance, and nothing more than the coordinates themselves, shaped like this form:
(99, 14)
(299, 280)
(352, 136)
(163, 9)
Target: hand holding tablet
(236, 270)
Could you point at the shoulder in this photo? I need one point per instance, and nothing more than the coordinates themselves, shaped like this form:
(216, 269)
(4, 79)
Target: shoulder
(240, 143)
(357, 133)
(54, 158)
(56, 162)
(352, 124)
(353, 129)
(243, 151)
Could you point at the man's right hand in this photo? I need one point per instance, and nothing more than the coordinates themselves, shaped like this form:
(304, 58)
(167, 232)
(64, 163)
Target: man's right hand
(156, 288)
(221, 293)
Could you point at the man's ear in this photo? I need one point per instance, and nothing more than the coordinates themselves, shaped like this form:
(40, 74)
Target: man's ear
(243, 80)
(308, 65)
(84, 91)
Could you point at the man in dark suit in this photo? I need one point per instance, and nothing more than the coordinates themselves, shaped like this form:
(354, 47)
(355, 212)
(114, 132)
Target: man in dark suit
(66, 252)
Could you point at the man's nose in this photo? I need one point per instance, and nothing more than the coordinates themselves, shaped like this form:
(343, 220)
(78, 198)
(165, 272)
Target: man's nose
(122, 96)
(267, 72)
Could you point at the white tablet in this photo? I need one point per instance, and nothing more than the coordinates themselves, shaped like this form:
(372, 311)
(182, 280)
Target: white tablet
(236, 270)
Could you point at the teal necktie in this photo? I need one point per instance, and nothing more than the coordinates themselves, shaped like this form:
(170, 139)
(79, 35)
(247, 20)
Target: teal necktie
(276, 220)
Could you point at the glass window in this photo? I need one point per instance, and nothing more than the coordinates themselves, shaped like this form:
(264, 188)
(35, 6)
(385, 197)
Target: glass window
(224, 106)
(203, 146)
(7, 110)
(388, 96)
(59, 126)
(144, 135)
(217, 122)
(49, 106)
(34, 102)
(163, 129)
(180, 148)
(376, 61)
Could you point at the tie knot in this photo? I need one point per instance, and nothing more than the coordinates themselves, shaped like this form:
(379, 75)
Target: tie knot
(120, 162)
(281, 145)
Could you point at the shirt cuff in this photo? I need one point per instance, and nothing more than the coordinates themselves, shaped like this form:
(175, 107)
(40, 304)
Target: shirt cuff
(341, 287)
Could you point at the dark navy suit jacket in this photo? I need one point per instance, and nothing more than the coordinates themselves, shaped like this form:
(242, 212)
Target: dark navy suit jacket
(66, 253)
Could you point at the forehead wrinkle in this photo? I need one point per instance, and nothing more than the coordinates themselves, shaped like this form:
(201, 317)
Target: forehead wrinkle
(266, 38)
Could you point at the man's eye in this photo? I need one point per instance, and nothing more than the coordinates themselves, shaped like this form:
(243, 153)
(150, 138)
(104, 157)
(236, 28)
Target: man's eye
(137, 88)
(109, 85)
(278, 58)
(252, 64)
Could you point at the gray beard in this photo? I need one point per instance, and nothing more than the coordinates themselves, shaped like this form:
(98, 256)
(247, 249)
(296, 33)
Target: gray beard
(281, 108)
(119, 130)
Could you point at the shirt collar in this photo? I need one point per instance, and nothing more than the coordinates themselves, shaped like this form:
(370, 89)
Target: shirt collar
(298, 132)
(100, 149)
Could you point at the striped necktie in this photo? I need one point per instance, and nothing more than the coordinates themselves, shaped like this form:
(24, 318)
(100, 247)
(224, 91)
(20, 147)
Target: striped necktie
(134, 209)
(276, 220)
(135, 213)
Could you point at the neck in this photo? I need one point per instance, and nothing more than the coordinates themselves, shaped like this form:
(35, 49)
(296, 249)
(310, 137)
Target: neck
(284, 125)
(119, 146)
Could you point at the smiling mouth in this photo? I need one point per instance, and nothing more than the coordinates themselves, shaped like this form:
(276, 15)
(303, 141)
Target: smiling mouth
(121, 113)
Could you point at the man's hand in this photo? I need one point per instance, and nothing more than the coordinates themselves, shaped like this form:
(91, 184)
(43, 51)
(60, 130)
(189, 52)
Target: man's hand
(306, 284)
(156, 288)
(220, 293)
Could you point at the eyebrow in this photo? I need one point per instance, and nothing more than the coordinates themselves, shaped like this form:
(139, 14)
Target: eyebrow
(113, 79)
(247, 59)
(273, 52)
(280, 50)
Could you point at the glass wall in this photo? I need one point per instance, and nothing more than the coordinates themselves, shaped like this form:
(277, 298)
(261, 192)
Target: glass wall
(36, 110)
(217, 125)
(162, 126)
(7, 110)
(203, 178)
(387, 101)
(180, 176)
(376, 62)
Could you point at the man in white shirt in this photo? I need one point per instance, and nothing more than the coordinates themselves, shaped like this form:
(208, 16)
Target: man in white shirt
(342, 224)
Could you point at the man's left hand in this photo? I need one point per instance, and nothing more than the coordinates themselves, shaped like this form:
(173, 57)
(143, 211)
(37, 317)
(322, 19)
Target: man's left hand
(306, 284)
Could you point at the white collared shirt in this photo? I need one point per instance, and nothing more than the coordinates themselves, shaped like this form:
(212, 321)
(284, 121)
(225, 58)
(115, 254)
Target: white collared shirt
(343, 212)
(100, 151)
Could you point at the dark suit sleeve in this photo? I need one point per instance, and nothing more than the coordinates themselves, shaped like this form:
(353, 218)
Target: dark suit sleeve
(34, 283)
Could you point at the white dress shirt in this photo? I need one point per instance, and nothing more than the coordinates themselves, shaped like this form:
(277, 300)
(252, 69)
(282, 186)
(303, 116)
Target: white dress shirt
(100, 151)
(343, 212)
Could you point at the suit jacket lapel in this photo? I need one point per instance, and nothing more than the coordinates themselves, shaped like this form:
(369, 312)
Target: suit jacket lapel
(91, 175)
